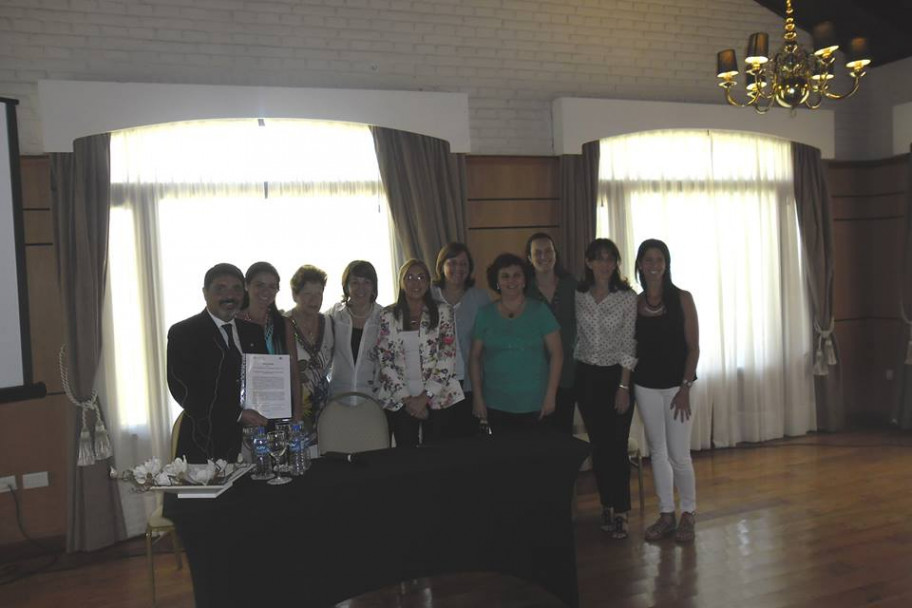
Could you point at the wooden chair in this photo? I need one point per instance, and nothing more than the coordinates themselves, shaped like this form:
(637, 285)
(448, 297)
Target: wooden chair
(635, 456)
(352, 422)
(159, 525)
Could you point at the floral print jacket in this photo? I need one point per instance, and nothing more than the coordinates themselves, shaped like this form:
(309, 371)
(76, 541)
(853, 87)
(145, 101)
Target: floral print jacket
(437, 353)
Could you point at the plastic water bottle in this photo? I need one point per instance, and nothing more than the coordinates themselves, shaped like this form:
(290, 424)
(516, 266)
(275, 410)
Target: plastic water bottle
(261, 454)
(310, 447)
(299, 460)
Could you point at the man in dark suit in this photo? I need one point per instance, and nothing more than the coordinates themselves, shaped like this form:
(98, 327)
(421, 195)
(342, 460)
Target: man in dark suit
(204, 369)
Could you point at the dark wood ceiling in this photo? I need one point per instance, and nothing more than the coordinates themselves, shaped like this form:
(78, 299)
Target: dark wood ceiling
(885, 23)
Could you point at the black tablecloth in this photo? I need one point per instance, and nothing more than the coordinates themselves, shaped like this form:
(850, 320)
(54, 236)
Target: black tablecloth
(485, 504)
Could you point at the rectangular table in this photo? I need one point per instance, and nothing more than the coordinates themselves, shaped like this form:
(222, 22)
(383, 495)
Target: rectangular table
(483, 504)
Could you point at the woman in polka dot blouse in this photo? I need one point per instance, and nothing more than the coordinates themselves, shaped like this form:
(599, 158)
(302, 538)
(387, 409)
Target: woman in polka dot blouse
(605, 353)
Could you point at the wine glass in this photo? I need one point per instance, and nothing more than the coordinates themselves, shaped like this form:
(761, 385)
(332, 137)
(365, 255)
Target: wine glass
(278, 443)
(284, 426)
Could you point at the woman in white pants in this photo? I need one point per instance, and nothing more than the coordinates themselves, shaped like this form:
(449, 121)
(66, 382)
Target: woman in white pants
(667, 337)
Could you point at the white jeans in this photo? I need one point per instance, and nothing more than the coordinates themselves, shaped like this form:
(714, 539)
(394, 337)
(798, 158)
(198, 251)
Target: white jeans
(669, 448)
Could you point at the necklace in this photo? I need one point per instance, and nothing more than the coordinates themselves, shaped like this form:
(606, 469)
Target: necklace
(308, 328)
(415, 319)
(246, 316)
(354, 315)
(512, 312)
(653, 309)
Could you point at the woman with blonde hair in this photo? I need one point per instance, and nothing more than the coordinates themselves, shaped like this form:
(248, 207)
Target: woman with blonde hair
(414, 375)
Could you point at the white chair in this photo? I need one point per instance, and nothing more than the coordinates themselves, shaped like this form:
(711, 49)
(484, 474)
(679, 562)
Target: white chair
(352, 422)
(159, 525)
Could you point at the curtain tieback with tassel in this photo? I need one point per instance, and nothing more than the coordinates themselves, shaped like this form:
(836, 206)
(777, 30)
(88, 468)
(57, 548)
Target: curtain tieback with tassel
(89, 451)
(825, 354)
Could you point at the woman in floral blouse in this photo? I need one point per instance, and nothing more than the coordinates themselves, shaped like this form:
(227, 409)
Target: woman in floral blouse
(310, 337)
(415, 377)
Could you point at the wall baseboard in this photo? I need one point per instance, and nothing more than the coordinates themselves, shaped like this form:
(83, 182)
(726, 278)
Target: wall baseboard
(13, 552)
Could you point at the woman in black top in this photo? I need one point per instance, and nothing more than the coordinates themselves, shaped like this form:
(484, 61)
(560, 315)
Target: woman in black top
(667, 337)
(557, 288)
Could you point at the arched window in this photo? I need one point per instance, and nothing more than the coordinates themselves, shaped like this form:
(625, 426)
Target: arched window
(186, 196)
(724, 204)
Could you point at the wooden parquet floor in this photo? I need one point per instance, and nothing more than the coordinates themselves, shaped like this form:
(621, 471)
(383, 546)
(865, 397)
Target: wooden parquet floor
(824, 520)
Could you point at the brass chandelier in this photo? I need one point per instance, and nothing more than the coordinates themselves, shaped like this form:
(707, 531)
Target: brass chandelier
(793, 77)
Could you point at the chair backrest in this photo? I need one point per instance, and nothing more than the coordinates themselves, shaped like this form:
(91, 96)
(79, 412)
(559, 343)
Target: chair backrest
(352, 422)
(175, 431)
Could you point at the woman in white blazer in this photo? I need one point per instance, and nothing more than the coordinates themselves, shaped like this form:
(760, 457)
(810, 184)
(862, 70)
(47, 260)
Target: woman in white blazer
(355, 321)
(415, 377)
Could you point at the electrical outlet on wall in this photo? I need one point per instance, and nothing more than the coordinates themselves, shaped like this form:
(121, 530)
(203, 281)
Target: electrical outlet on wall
(35, 480)
(7, 483)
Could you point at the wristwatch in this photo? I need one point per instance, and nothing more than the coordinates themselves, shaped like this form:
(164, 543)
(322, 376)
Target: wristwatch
(687, 383)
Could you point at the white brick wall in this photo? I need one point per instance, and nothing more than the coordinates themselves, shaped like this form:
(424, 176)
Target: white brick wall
(512, 57)
(864, 123)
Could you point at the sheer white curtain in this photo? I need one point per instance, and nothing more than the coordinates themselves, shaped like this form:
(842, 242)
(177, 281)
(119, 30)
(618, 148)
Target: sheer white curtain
(187, 196)
(724, 204)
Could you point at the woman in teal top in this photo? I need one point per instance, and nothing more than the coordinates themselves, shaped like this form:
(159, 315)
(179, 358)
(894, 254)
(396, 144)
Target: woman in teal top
(516, 352)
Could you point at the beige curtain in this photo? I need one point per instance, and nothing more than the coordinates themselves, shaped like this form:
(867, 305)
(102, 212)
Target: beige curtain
(80, 202)
(815, 223)
(579, 198)
(708, 194)
(425, 185)
(902, 411)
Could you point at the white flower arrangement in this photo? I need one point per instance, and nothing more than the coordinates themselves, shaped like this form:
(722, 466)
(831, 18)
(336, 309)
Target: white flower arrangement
(151, 474)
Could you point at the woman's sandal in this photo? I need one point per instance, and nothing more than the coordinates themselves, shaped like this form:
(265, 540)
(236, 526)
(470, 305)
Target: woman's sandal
(662, 528)
(620, 528)
(685, 532)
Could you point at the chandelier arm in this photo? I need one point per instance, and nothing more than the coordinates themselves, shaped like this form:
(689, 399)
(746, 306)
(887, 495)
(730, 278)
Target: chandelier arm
(731, 100)
(816, 104)
(764, 108)
(759, 91)
(855, 84)
(766, 95)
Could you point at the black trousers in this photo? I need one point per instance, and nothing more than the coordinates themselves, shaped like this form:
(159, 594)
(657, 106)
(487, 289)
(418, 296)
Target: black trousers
(505, 423)
(608, 432)
(562, 418)
(440, 425)
(464, 424)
